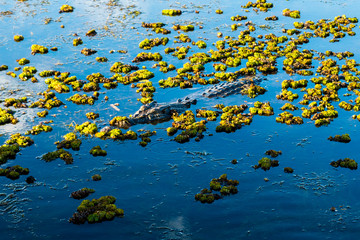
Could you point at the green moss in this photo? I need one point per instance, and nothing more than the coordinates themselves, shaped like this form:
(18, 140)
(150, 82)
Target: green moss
(82, 193)
(14, 172)
(42, 114)
(70, 141)
(97, 151)
(262, 109)
(61, 153)
(266, 163)
(92, 115)
(273, 153)
(291, 13)
(141, 57)
(345, 163)
(22, 141)
(86, 128)
(150, 43)
(345, 138)
(253, 91)
(38, 129)
(82, 99)
(8, 152)
(96, 177)
(223, 185)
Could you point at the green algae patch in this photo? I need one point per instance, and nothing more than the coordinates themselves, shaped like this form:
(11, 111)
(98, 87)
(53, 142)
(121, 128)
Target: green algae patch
(8, 152)
(345, 163)
(66, 8)
(345, 138)
(61, 153)
(82, 193)
(97, 151)
(96, 211)
(288, 170)
(266, 163)
(14, 172)
(219, 187)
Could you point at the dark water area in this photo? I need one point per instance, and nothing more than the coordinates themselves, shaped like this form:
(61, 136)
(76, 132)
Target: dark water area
(156, 184)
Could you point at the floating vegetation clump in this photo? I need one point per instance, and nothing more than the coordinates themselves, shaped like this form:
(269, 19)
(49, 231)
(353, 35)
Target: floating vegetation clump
(345, 138)
(66, 8)
(345, 163)
(273, 153)
(14, 172)
(96, 211)
(82, 193)
(233, 118)
(61, 153)
(97, 151)
(219, 187)
(171, 12)
(39, 129)
(70, 141)
(266, 163)
(262, 109)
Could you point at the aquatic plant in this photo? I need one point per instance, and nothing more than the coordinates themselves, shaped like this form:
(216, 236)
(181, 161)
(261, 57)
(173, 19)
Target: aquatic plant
(61, 153)
(266, 163)
(96, 211)
(345, 163)
(222, 184)
(97, 151)
(345, 138)
(14, 172)
(82, 193)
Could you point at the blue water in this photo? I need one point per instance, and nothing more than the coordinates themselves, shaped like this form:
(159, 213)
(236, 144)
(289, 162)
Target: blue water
(156, 185)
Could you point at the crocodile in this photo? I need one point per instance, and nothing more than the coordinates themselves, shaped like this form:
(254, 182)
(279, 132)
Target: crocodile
(160, 112)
